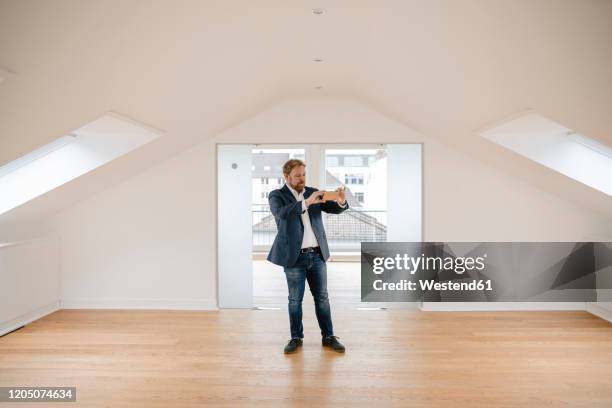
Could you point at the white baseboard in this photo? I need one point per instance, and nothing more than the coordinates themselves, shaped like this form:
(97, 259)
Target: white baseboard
(500, 306)
(599, 311)
(29, 317)
(153, 304)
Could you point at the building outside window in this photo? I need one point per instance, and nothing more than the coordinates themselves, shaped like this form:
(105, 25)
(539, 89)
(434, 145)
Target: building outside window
(362, 171)
(353, 179)
(353, 161)
(332, 161)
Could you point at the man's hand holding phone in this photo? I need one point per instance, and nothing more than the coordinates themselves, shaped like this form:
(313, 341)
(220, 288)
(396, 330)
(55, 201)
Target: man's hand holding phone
(341, 196)
(319, 197)
(338, 196)
(315, 198)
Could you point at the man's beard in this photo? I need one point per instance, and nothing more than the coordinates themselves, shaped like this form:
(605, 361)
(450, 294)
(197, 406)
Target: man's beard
(298, 187)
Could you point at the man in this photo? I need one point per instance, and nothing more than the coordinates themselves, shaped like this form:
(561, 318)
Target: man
(301, 248)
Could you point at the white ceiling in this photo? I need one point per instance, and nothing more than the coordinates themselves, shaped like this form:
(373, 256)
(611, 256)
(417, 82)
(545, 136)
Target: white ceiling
(192, 68)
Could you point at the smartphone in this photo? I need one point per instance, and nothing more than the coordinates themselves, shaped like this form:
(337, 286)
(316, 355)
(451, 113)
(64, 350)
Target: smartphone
(330, 196)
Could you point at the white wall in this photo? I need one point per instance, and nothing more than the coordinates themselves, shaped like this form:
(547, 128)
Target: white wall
(151, 241)
(145, 243)
(603, 306)
(30, 276)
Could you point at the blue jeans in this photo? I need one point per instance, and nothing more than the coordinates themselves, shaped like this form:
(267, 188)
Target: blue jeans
(311, 267)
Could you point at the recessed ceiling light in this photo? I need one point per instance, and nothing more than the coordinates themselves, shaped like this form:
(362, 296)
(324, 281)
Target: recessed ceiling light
(4, 74)
(317, 11)
(318, 87)
(318, 60)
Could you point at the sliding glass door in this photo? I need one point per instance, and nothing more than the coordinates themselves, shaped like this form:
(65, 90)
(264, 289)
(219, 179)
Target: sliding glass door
(383, 185)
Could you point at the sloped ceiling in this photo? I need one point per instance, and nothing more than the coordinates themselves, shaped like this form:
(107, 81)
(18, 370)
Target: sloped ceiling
(192, 68)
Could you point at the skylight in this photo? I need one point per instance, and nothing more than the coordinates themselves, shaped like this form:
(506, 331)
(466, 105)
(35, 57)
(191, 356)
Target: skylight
(557, 147)
(69, 157)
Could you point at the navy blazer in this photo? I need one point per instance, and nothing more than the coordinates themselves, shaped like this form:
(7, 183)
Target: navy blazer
(287, 213)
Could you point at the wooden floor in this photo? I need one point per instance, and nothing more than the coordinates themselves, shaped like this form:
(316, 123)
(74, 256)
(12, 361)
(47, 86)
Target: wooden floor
(233, 358)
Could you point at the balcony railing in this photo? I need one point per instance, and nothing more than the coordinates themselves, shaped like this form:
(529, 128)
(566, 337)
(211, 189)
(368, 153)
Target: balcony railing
(344, 231)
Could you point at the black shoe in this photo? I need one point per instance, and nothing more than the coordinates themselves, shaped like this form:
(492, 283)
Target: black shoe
(332, 341)
(293, 345)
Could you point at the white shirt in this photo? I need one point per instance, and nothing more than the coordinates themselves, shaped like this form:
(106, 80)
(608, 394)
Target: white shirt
(309, 239)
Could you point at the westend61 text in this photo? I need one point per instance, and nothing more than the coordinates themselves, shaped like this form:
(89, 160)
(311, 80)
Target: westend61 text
(428, 285)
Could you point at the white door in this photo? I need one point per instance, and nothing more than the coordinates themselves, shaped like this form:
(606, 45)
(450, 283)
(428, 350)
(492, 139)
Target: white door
(404, 191)
(234, 226)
